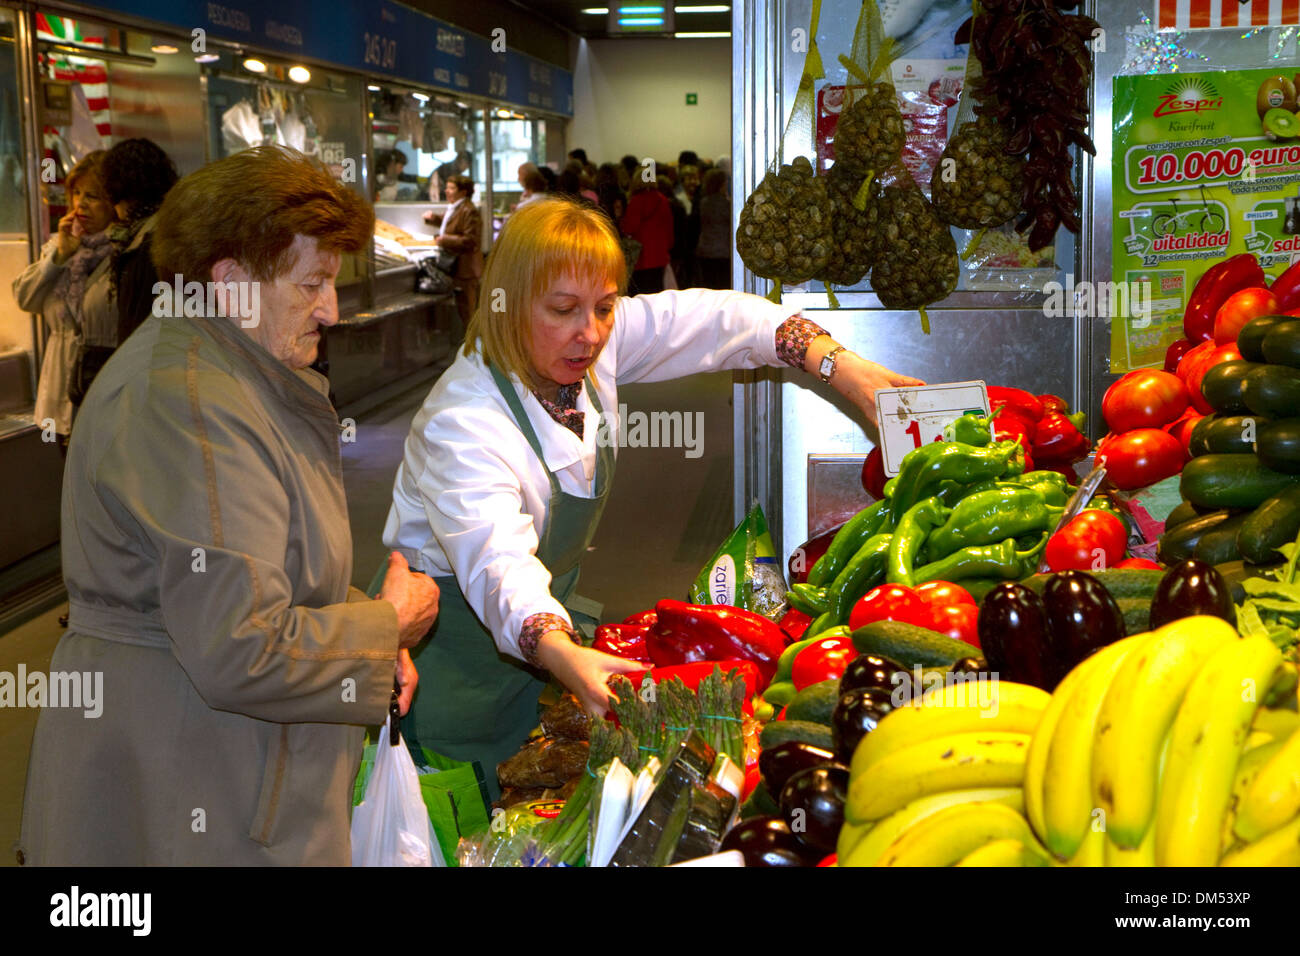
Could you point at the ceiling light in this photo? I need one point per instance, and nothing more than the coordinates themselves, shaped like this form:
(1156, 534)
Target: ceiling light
(164, 48)
(707, 8)
(207, 58)
(634, 10)
(299, 74)
(596, 11)
(422, 97)
(641, 21)
(698, 36)
(254, 65)
(373, 89)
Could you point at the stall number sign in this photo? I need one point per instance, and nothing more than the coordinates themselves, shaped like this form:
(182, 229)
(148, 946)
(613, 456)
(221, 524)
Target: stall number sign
(912, 417)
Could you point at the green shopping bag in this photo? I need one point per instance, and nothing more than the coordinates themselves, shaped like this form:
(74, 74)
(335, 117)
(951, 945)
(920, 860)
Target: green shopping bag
(454, 793)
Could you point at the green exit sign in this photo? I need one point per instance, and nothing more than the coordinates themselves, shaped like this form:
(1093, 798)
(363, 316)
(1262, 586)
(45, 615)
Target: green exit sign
(692, 99)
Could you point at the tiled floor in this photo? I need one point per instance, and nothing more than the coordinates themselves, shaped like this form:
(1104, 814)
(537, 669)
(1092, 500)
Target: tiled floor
(667, 514)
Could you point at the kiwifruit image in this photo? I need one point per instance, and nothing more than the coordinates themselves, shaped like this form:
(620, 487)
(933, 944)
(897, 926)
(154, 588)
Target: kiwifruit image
(1281, 124)
(1277, 92)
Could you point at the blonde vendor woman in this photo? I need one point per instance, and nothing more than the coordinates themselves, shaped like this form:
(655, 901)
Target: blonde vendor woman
(503, 480)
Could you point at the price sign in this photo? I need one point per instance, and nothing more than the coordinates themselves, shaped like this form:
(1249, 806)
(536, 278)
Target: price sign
(912, 417)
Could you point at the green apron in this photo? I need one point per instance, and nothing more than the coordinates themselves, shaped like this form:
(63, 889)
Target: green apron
(474, 703)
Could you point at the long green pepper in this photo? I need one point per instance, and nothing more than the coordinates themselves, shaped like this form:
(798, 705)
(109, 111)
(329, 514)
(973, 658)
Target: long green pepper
(847, 541)
(990, 516)
(910, 536)
(922, 475)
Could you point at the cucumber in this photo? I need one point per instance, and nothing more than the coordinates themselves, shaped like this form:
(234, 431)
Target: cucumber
(1123, 584)
(1183, 513)
(1222, 386)
(815, 702)
(1282, 344)
(1219, 544)
(1179, 544)
(777, 732)
(909, 645)
(1235, 574)
(1250, 340)
(1137, 614)
(1270, 526)
(1272, 390)
(1231, 481)
(1225, 434)
(1278, 445)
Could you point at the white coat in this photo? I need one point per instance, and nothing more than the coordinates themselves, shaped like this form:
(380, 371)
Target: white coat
(471, 497)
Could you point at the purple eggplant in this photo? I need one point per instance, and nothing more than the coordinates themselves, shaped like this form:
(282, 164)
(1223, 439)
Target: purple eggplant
(780, 763)
(1082, 617)
(812, 804)
(1190, 588)
(868, 670)
(855, 716)
(1014, 637)
(767, 841)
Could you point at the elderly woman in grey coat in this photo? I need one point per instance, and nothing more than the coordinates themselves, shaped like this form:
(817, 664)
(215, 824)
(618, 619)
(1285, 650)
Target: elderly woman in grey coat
(207, 554)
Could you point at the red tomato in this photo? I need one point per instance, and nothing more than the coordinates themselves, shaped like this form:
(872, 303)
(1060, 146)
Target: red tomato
(1147, 398)
(1182, 429)
(1143, 563)
(822, 660)
(1141, 457)
(943, 593)
(1174, 354)
(1092, 541)
(888, 602)
(1199, 361)
(958, 621)
(1240, 308)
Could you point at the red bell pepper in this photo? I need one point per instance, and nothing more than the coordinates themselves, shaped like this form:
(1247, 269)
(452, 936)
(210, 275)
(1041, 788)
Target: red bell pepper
(1058, 441)
(701, 632)
(1054, 403)
(642, 618)
(1016, 399)
(1286, 289)
(794, 622)
(1174, 354)
(1212, 290)
(805, 556)
(1009, 423)
(622, 640)
(873, 474)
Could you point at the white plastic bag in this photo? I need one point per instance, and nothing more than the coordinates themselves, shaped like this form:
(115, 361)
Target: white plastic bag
(391, 827)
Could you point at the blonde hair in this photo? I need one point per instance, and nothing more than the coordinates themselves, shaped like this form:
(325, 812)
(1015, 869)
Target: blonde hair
(542, 241)
(90, 166)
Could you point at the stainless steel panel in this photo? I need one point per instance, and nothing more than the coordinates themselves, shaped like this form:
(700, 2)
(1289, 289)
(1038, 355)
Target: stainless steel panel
(834, 491)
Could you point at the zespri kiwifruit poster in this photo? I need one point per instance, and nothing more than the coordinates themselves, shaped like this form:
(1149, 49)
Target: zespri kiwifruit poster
(1205, 166)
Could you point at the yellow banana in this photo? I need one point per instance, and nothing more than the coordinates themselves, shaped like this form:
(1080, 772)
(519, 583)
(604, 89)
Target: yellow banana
(954, 762)
(1207, 737)
(1005, 853)
(952, 834)
(1273, 797)
(1138, 711)
(1276, 722)
(1279, 848)
(1282, 691)
(850, 835)
(1067, 789)
(1248, 768)
(867, 850)
(1036, 761)
(962, 708)
(1092, 851)
(1144, 855)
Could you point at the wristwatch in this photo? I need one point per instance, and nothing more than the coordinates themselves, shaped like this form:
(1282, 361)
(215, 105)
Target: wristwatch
(827, 368)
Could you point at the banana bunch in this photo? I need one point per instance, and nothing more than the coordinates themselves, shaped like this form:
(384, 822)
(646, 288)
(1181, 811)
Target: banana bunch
(1177, 747)
(1158, 751)
(939, 783)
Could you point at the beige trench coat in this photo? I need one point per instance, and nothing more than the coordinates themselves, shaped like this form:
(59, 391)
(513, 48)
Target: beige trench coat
(34, 292)
(207, 555)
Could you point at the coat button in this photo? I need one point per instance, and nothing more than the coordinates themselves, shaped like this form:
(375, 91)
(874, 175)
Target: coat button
(21, 858)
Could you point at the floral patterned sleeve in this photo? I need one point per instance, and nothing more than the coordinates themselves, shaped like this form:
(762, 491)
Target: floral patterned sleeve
(538, 625)
(793, 336)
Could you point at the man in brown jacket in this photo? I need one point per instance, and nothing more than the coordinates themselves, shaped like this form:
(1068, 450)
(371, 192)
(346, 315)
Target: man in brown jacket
(207, 554)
